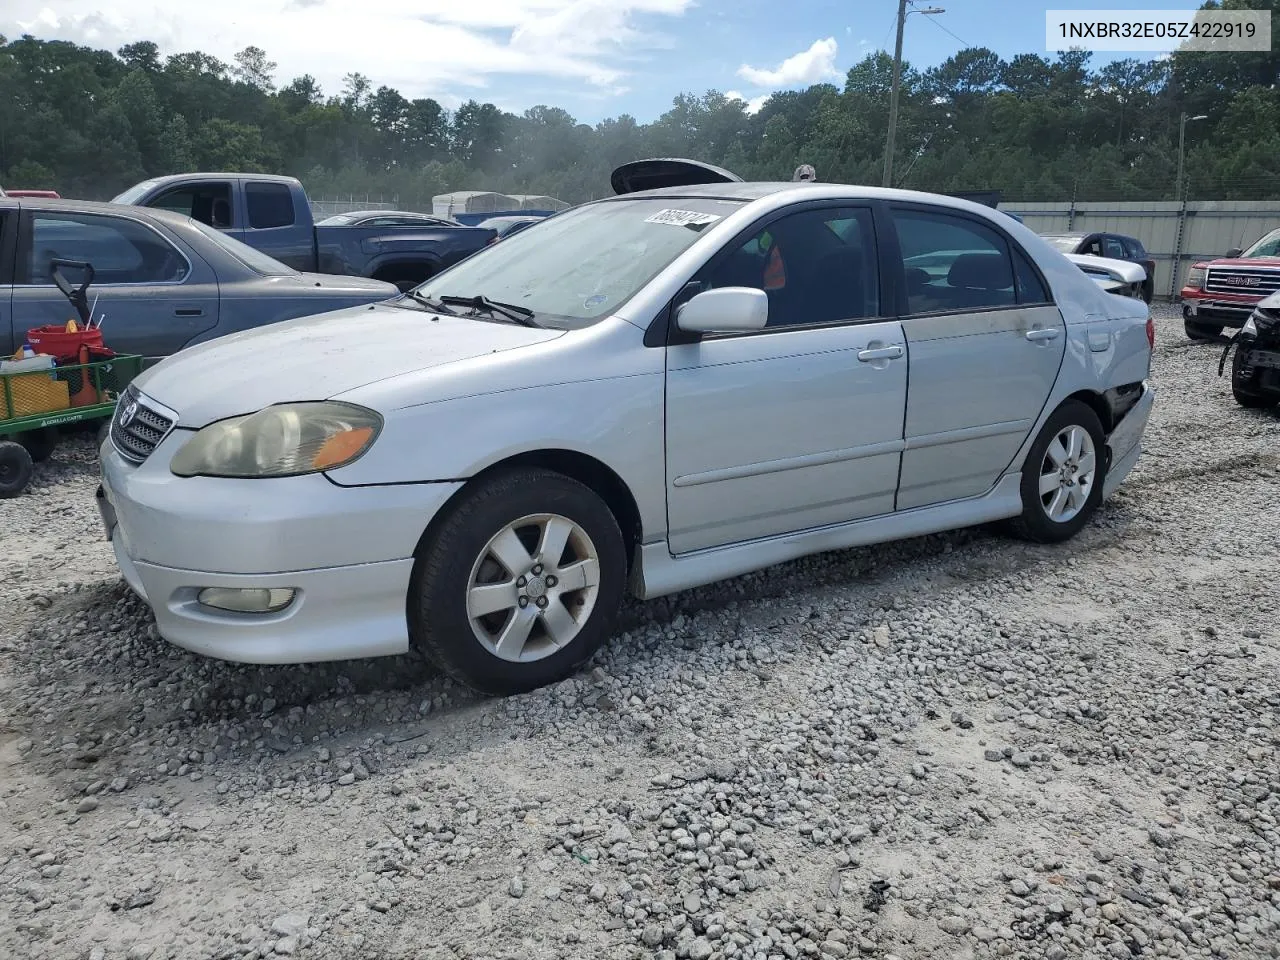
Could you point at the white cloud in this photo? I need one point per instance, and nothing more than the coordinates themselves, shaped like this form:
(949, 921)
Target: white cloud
(421, 47)
(809, 66)
(753, 103)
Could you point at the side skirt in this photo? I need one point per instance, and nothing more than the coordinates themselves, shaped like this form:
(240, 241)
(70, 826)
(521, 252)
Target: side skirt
(657, 573)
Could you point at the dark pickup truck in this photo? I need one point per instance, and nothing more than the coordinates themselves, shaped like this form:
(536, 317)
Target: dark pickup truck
(273, 214)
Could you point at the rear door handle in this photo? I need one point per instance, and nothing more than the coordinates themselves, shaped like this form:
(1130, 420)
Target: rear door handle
(1039, 336)
(189, 312)
(881, 353)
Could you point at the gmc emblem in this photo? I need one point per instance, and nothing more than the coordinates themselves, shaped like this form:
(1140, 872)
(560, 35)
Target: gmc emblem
(1242, 281)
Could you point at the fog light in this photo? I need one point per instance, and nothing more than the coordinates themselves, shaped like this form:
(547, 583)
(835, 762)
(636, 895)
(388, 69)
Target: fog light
(246, 599)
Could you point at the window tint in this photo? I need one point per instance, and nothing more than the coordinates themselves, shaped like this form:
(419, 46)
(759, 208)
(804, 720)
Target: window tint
(952, 263)
(121, 251)
(1112, 247)
(207, 202)
(270, 205)
(817, 266)
(1134, 248)
(1030, 288)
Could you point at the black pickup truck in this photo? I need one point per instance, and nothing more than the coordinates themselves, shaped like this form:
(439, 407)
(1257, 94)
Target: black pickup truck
(273, 214)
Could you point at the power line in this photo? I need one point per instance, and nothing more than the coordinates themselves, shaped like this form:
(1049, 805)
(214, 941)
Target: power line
(937, 23)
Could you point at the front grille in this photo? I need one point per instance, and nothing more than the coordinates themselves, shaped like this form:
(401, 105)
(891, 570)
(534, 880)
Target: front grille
(1254, 281)
(137, 428)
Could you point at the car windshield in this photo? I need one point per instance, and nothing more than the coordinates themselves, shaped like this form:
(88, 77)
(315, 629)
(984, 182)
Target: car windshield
(1268, 246)
(255, 260)
(135, 192)
(1065, 244)
(585, 263)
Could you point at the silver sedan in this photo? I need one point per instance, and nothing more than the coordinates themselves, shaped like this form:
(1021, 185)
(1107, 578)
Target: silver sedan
(662, 389)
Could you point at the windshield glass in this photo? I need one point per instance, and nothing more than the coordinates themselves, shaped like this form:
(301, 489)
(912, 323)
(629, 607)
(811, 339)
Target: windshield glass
(255, 260)
(1268, 246)
(1065, 244)
(133, 193)
(585, 263)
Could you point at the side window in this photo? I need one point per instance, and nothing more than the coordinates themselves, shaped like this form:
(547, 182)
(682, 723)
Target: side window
(270, 205)
(1135, 248)
(1093, 248)
(1113, 248)
(952, 263)
(210, 203)
(817, 266)
(1030, 288)
(120, 250)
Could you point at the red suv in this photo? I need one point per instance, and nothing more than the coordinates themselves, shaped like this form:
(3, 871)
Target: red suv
(1223, 292)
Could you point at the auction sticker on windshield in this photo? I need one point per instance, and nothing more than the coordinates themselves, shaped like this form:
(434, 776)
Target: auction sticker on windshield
(682, 218)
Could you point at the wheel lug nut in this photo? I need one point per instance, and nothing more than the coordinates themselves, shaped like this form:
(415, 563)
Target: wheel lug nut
(537, 569)
(552, 581)
(521, 582)
(524, 602)
(541, 602)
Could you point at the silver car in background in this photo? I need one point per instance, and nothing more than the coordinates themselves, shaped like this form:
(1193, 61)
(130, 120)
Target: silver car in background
(662, 389)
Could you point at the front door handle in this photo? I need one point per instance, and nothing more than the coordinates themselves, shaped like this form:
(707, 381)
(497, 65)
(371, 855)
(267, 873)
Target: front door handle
(189, 312)
(1041, 336)
(881, 353)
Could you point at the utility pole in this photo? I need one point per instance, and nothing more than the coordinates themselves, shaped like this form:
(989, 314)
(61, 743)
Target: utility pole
(886, 179)
(1182, 146)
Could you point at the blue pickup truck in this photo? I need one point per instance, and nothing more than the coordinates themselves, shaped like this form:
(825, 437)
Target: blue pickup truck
(273, 214)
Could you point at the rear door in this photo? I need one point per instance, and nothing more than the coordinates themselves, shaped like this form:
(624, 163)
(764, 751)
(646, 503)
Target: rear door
(151, 294)
(985, 345)
(8, 242)
(278, 223)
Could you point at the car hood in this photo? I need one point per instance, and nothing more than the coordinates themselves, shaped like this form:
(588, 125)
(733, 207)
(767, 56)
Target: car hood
(1104, 269)
(318, 357)
(326, 284)
(1272, 263)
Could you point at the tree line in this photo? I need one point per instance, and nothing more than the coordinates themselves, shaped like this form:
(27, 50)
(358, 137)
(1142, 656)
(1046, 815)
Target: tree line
(90, 122)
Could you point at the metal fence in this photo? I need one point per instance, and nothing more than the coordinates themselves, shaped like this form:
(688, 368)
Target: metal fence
(1175, 234)
(331, 206)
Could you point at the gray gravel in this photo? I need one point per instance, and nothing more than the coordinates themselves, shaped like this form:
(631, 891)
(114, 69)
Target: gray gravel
(956, 746)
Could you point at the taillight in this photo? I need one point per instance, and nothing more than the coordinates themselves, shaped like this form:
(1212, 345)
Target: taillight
(1151, 332)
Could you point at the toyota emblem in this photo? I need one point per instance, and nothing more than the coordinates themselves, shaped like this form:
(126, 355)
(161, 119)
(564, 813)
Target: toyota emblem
(128, 413)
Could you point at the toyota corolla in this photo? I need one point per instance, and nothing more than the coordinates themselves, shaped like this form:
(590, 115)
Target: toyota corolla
(676, 385)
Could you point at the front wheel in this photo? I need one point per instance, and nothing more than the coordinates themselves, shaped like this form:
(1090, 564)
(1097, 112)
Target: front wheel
(520, 584)
(1063, 475)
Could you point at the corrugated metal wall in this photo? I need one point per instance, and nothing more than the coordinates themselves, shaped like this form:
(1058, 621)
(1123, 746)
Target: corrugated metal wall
(1210, 229)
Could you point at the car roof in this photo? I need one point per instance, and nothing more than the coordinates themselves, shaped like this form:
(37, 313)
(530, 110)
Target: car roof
(98, 206)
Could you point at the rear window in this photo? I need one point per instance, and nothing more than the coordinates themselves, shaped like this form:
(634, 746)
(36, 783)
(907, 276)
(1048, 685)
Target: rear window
(270, 205)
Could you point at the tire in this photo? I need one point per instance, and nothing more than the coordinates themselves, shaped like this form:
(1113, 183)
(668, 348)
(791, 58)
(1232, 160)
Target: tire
(15, 468)
(1202, 331)
(1249, 399)
(509, 513)
(40, 443)
(1076, 420)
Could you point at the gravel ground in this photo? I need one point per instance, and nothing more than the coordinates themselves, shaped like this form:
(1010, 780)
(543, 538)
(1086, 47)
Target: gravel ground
(957, 746)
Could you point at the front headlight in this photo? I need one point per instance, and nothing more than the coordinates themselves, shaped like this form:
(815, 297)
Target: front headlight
(1195, 278)
(1250, 329)
(285, 440)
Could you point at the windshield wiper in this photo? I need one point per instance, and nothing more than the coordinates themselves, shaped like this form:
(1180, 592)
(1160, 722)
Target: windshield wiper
(514, 312)
(437, 305)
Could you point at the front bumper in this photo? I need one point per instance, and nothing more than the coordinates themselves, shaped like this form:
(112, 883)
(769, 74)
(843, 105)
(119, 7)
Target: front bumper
(1226, 313)
(346, 551)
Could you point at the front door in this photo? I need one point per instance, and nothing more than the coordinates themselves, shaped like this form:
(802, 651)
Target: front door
(152, 298)
(985, 343)
(798, 425)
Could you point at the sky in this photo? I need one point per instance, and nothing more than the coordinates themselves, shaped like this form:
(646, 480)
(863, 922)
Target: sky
(594, 58)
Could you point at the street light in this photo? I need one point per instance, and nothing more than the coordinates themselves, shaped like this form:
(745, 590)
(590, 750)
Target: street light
(903, 13)
(1182, 145)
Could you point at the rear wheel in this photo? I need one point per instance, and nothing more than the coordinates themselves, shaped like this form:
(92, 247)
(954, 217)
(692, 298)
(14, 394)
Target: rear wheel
(1063, 475)
(15, 468)
(1202, 331)
(520, 584)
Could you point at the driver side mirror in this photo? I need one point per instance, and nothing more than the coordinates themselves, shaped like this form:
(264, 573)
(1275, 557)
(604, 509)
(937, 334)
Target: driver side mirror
(724, 310)
(1234, 252)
